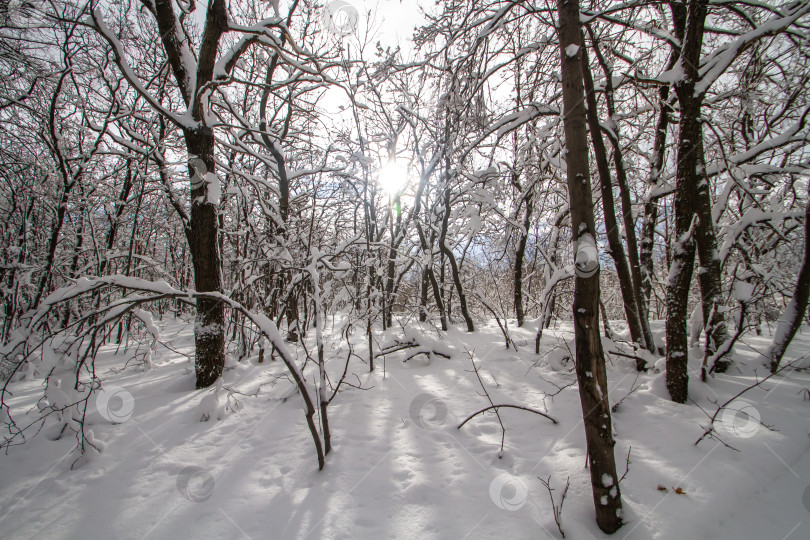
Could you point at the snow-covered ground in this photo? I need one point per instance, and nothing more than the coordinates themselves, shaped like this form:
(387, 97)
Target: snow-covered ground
(400, 468)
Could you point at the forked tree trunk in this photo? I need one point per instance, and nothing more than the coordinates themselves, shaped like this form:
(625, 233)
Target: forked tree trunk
(209, 330)
(291, 304)
(115, 219)
(627, 206)
(68, 183)
(454, 269)
(590, 359)
(709, 275)
(430, 273)
(203, 226)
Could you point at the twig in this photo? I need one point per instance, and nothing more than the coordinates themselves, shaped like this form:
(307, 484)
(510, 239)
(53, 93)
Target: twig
(504, 330)
(411, 344)
(627, 465)
(633, 389)
(557, 508)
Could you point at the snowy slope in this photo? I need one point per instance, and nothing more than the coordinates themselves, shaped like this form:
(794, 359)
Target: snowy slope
(400, 468)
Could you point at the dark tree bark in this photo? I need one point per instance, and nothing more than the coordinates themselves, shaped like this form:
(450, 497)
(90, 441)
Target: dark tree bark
(683, 248)
(272, 146)
(709, 275)
(130, 255)
(202, 228)
(74, 263)
(590, 359)
(520, 254)
(203, 232)
(423, 295)
(390, 270)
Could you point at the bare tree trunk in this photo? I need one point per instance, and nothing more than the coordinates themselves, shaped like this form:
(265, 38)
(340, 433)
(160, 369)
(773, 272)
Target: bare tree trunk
(390, 289)
(520, 254)
(683, 249)
(606, 323)
(709, 275)
(291, 312)
(74, 263)
(53, 241)
(203, 232)
(388, 295)
(590, 359)
(792, 316)
(423, 295)
(627, 206)
(68, 183)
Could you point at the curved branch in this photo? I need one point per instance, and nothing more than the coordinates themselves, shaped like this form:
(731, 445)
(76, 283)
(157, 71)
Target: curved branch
(506, 405)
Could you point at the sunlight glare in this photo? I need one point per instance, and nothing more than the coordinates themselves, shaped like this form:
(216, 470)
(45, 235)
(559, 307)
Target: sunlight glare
(392, 177)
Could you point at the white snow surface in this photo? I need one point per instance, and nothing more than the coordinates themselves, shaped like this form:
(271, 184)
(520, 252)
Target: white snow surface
(673, 76)
(214, 192)
(400, 470)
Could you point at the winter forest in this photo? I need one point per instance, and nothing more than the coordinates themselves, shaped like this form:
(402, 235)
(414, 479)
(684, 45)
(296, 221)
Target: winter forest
(365, 269)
